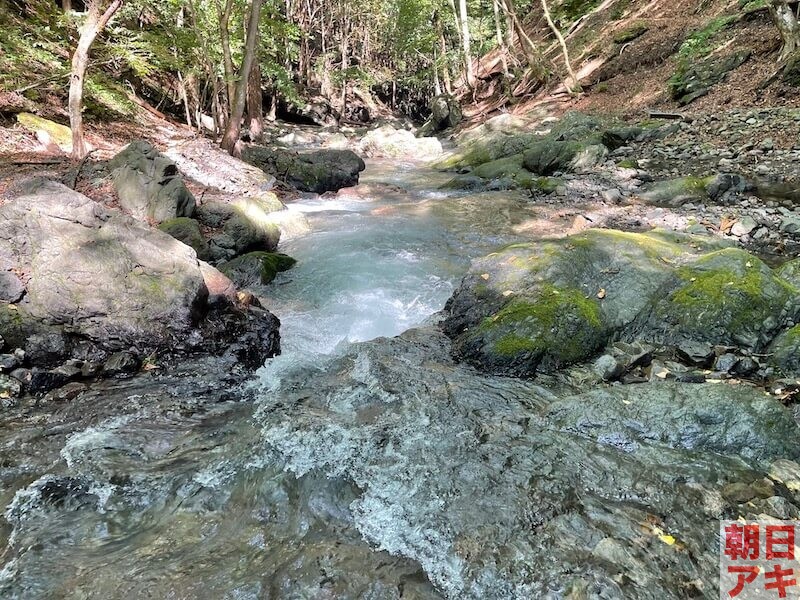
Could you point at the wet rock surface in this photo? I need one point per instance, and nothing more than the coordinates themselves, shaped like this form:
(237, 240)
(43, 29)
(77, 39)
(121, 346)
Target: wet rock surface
(319, 171)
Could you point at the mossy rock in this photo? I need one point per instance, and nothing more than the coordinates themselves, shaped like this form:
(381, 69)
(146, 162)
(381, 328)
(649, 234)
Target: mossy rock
(546, 158)
(251, 234)
(188, 231)
(604, 279)
(727, 297)
(256, 267)
(61, 135)
(502, 167)
(557, 327)
(676, 192)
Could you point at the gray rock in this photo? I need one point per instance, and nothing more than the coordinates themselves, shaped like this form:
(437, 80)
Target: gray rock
(187, 230)
(47, 349)
(248, 235)
(256, 268)
(744, 226)
(320, 171)
(11, 288)
(149, 185)
(608, 368)
(8, 362)
(121, 363)
(10, 390)
(104, 275)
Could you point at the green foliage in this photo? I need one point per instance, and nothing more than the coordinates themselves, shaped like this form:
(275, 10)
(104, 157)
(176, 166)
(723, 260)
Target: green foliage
(568, 11)
(698, 44)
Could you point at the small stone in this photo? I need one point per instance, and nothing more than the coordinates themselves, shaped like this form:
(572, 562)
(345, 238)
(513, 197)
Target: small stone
(10, 390)
(8, 362)
(745, 367)
(726, 362)
(91, 369)
(786, 472)
(22, 375)
(768, 144)
(121, 363)
(66, 393)
(743, 226)
(613, 196)
(43, 381)
(691, 378)
(696, 353)
(607, 368)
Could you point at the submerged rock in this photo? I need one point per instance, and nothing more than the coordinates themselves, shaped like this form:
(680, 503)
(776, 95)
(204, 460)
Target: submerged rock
(454, 468)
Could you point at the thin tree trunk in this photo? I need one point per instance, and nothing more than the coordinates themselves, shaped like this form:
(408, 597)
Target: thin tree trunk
(95, 23)
(574, 86)
(787, 23)
(501, 42)
(234, 127)
(469, 72)
(255, 103)
(66, 5)
(448, 86)
(225, 39)
(529, 49)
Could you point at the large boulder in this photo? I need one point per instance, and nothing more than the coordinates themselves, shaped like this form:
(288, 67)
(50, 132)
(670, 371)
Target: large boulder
(537, 307)
(445, 113)
(95, 272)
(320, 171)
(149, 185)
(386, 141)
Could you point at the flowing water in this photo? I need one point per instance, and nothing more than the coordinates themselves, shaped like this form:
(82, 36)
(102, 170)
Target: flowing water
(157, 489)
(364, 463)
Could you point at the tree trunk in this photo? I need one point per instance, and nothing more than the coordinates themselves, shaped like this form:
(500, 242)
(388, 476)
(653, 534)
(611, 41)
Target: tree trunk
(225, 39)
(255, 102)
(469, 72)
(574, 86)
(501, 42)
(234, 127)
(788, 26)
(95, 23)
(529, 49)
(66, 5)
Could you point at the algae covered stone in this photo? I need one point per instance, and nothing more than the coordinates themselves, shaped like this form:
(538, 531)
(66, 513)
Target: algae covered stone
(47, 131)
(724, 297)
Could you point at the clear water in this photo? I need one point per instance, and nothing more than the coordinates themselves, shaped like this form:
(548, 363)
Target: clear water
(144, 489)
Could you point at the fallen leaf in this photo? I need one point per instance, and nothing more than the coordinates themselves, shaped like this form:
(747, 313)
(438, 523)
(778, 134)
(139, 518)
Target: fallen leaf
(485, 277)
(601, 294)
(508, 293)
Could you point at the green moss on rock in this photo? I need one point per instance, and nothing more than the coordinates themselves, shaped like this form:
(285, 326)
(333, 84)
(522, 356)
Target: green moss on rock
(724, 297)
(558, 326)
